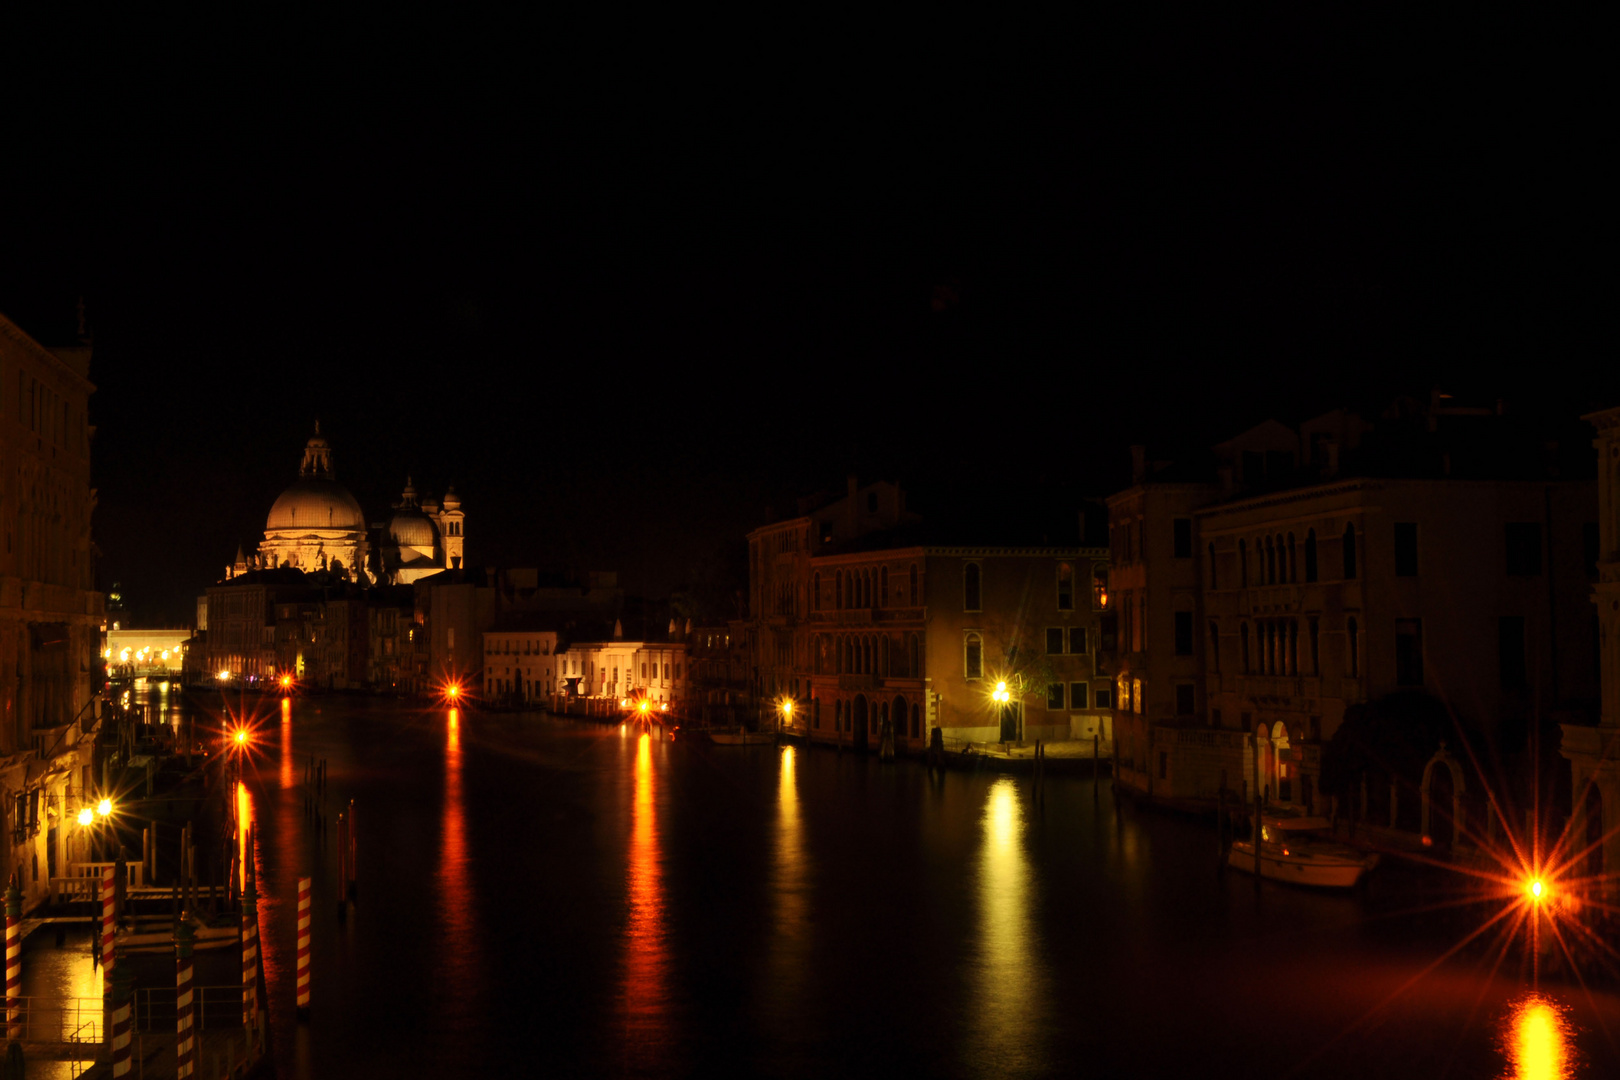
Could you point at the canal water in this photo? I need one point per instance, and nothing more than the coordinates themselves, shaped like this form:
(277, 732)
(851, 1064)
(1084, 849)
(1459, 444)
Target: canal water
(544, 897)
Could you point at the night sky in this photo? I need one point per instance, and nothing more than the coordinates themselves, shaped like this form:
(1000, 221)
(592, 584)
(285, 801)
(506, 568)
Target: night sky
(629, 285)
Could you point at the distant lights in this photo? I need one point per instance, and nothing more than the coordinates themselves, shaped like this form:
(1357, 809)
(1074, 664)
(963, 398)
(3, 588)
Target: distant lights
(224, 675)
(1537, 890)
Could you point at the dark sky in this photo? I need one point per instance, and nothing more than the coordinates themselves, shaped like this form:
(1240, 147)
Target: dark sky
(628, 284)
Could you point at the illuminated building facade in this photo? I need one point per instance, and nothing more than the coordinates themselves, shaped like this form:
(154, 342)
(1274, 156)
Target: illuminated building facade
(51, 617)
(913, 638)
(150, 653)
(871, 632)
(1255, 609)
(616, 668)
(1594, 752)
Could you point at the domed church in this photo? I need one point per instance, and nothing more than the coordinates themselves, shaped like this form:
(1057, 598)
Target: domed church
(317, 525)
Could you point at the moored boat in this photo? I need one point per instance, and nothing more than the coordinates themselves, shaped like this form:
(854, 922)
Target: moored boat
(1296, 850)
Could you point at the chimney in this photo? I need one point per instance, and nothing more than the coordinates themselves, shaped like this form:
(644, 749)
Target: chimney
(1138, 463)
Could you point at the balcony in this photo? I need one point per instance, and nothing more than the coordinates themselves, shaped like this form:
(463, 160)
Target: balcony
(867, 616)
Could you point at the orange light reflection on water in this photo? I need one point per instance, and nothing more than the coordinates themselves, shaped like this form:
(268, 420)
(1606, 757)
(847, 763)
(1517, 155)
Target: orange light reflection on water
(645, 962)
(457, 911)
(244, 823)
(1538, 1040)
(286, 744)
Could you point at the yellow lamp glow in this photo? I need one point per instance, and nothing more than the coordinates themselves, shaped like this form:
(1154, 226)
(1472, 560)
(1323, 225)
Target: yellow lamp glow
(453, 690)
(104, 807)
(787, 708)
(241, 736)
(86, 816)
(224, 674)
(645, 705)
(1537, 890)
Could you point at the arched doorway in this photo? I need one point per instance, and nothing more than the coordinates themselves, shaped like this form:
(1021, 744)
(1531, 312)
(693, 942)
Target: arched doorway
(1009, 722)
(859, 722)
(898, 711)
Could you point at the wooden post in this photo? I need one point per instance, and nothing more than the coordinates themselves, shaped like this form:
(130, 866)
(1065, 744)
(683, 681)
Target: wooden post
(1258, 804)
(343, 872)
(1096, 763)
(354, 853)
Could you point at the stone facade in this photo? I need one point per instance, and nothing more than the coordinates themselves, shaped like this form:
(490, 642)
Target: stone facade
(1594, 752)
(51, 618)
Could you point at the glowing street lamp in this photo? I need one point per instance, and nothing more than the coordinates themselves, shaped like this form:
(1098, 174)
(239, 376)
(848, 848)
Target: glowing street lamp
(87, 816)
(1538, 891)
(241, 736)
(1000, 695)
(104, 808)
(286, 682)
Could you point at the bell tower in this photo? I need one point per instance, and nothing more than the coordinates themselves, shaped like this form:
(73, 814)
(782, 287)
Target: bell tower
(317, 461)
(451, 523)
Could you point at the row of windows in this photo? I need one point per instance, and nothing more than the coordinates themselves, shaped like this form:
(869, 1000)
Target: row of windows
(973, 592)
(1080, 695)
(862, 589)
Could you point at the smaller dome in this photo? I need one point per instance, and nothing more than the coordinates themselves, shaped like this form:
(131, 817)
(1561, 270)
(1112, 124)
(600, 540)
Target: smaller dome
(412, 528)
(451, 500)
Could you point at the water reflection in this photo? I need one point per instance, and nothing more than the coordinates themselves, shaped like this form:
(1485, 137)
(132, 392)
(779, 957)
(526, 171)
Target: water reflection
(286, 744)
(1007, 1010)
(790, 881)
(457, 910)
(645, 960)
(244, 827)
(1537, 1039)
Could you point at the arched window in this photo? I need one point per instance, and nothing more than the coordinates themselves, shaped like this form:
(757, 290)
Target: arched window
(838, 716)
(913, 592)
(866, 588)
(883, 589)
(838, 581)
(974, 657)
(970, 587)
(1293, 566)
(1243, 642)
(1214, 581)
(883, 655)
(1310, 555)
(916, 658)
(815, 591)
(1214, 648)
(1243, 564)
(1349, 551)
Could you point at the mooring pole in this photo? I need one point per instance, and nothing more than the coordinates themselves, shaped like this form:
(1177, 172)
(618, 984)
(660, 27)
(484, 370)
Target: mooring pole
(250, 942)
(123, 981)
(303, 947)
(14, 1028)
(185, 1035)
(109, 921)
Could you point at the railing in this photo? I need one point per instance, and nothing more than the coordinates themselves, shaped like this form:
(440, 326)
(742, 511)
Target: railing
(83, 880)
(69, 1020)
(214, 1008)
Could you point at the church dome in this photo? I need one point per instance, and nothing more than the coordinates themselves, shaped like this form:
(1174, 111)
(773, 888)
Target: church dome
(410, 527)
(315, 503)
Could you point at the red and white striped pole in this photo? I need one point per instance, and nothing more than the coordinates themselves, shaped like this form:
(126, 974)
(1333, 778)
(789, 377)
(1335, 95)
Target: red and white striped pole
(122, 985)
(14, 1026)
(303, 945)
(185, 1042)
(109, 922)
(250, 944)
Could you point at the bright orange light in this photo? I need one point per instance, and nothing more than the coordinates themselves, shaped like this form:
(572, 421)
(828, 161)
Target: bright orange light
(452, 691)
(644, 706)
(286, 681)
(241, 736)
(104, 807)
(86, 816)
(1537, 890)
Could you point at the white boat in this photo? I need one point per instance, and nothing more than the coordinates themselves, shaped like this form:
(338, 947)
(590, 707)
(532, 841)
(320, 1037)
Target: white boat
(741, 737)
(1295, 850)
